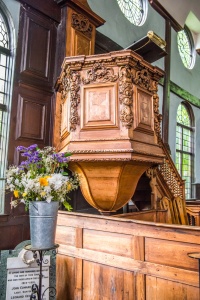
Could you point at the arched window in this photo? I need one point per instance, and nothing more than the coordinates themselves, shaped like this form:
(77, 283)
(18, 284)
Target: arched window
(6, 79)
(185, 147)
(134, 10)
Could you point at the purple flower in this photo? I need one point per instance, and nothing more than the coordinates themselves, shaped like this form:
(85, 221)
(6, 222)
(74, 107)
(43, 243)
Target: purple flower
(32, 147)
(26, 154)
(21, 148)
(60, 157)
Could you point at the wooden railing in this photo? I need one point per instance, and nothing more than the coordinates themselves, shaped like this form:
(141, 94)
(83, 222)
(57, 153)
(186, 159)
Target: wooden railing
(168, 190)
(169, 173)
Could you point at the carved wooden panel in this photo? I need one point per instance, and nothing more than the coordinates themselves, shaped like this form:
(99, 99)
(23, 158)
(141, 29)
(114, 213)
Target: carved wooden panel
(80, 34)
(143, 111)
(38, 37)
(99, 106)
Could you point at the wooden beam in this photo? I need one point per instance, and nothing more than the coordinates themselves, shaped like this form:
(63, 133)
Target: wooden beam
(164, 13)
(166, 89)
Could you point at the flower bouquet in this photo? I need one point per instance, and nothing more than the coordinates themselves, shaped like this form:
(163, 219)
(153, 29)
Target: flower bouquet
(41, 177)
(41, 182)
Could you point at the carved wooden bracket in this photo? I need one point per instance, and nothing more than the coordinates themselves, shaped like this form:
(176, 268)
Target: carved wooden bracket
(126, 96)
(82, 24)
(71, 84)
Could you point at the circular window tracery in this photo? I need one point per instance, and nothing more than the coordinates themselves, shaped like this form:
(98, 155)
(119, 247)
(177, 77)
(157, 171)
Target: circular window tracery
(134, 10)
(186, 48)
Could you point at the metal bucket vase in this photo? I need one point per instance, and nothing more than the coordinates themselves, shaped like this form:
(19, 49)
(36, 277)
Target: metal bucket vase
(43, 220)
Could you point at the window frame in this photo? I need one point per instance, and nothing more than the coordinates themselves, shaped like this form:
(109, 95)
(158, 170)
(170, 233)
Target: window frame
(130, 16)
(10, 52)
(192, 48)
(182, 152)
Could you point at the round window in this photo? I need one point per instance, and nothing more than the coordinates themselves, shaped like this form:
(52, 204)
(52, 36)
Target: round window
(134, 10)
(186, 48)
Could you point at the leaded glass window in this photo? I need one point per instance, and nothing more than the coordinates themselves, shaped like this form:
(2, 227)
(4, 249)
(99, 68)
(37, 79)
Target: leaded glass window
(184, 148)
(134, 10)
(4, 37)
(6, 78)
(186, 48)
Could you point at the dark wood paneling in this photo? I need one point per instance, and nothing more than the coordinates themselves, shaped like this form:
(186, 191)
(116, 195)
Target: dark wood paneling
(37, 40)
(47, 7)
(14, 230)
(32, 118)
(33, 93)
(61, 50)
(32, 102)
(38, 37)
(104, 44)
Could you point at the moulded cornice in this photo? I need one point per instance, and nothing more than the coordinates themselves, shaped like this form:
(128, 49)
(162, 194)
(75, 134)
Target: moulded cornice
(82, 6)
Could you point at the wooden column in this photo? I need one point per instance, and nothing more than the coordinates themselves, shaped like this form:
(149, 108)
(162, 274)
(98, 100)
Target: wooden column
(166, 89)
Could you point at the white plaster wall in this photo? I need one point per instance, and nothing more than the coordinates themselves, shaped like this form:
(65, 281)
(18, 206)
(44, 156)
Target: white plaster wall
(120, 30)
(187, 79)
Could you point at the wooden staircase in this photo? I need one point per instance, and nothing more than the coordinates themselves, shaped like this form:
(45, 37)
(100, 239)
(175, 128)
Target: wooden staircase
(168, 190)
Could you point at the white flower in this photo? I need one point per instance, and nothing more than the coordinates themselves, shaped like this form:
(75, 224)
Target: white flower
(17, 181)
(56, 180)
(49, 198)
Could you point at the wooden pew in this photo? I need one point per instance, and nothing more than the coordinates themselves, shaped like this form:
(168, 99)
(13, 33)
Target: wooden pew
(124, 259)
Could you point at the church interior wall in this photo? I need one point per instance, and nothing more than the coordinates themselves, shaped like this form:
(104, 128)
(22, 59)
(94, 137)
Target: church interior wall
(122, 32)
(183, 77)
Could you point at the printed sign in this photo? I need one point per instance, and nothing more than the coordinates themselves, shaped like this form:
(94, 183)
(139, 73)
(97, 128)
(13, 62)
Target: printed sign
(21, 277)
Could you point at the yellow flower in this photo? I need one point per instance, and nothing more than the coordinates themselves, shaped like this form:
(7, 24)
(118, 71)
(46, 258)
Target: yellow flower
(69, 186)
(24, 194)
(44, 180)
(16, 193)
(42, 194)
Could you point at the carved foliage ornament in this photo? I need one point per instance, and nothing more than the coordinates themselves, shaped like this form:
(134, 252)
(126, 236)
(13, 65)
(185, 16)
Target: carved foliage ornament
(126, 96)
(71, 84)
(100, 73)
(82, 24)
(157, 115)
(65, 85)
(143, 79)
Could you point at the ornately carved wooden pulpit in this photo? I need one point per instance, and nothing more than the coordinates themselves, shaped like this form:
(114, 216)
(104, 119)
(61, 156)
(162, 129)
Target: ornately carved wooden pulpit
(108, 117)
